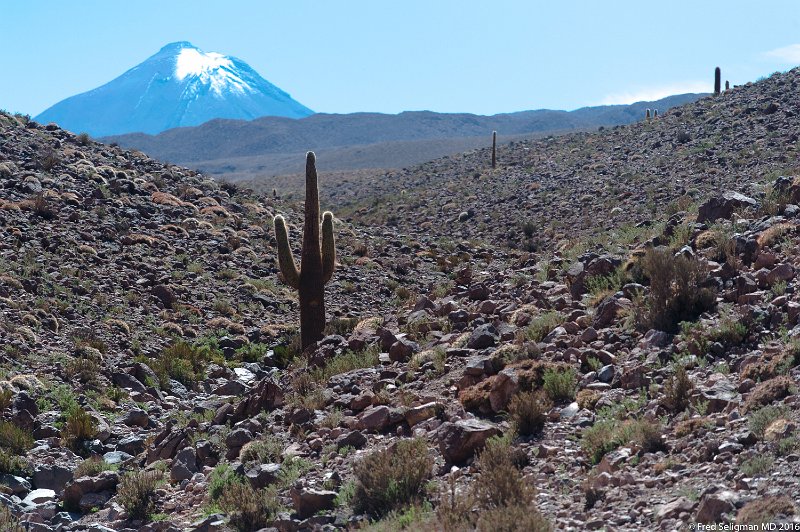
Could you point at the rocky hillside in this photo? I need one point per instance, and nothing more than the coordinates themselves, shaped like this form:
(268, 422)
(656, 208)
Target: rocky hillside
(600, 332)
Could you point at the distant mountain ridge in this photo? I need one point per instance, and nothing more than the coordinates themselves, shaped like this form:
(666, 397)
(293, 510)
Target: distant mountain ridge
(268, 145)
(179, 86)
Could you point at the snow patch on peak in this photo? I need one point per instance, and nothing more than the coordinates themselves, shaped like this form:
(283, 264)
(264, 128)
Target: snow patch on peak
(212, 69)
(193, 62)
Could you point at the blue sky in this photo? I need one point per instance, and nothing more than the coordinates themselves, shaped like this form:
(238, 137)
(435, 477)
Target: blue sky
(441, 55)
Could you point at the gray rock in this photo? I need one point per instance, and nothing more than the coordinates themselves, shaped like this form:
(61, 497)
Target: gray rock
(308, 502)
(460, 440)
(263, 475)
(482, 337)
(723, 206)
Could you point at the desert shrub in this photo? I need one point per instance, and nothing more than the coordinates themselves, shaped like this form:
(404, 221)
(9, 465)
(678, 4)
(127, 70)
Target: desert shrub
(83, 139)
(675, 292)
(220, 479)
(677, 391)
(8, 522)
(770, 391)
(760, 419)
(691, 426)
(14, 439)
(765, 510)
(137, 493)
(560, 383)
(78, 428)
(247, 508)
(645, 434)
(587, 398)
(503, 499)
(512, 518)
(48, 160)
(184, 362)
(500, 482)
(757, 466)
(14, 464)
(6, 397)
(771, 365)
(93, 466)
(609, 433)
(347, 361)
(83, 369)
(391, 478)
(252, 352)
(598, 440)
(263, 451)
(528, 412)
(542, 324)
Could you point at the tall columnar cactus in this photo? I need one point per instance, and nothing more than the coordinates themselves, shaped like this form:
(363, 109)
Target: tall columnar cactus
(717, 78)
(647, 114)
(494, 149)
(727, 85)
(316, 264)
(655, 113)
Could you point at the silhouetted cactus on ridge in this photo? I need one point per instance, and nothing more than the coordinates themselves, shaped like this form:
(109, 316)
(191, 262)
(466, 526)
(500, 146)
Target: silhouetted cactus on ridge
(316, 264)
(494, 149)
(717, 78)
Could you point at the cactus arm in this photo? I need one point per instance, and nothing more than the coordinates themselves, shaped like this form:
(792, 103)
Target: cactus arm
(285, 258)
(328, 247)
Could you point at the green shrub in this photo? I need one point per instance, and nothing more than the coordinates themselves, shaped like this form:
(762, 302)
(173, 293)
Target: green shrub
(252, 352)
(14, 465)
(220, 479)
(542, 324)
(560, 384)
(184, 362)
(137, 491)
(264, 451)
(391, 478)
(93, 466)
(79, 427)
(14, 439)
(760, 419)
(757, 466)
(6, 397)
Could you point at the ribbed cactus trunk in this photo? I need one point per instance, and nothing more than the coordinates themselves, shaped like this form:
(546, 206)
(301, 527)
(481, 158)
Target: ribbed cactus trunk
(647, 114)
(717, 80)
(316, 264)
(494, 149)
(727, 85)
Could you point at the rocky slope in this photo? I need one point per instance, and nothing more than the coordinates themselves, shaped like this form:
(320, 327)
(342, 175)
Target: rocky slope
(148, 343)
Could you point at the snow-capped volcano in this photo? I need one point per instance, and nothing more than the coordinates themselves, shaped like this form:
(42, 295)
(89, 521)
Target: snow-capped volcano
(181, 85)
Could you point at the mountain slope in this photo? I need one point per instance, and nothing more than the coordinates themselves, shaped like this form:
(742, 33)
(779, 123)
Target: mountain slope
(178, 86)
(260, 146)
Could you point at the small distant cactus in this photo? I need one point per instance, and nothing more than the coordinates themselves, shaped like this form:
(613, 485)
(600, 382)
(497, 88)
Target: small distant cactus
(717, 77)
(494, 149)
(727, 85)
(655, 113)
(647, 114)
(316, 264)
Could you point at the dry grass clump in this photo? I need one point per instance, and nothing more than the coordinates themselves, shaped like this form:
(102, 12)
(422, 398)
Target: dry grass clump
(771, 365)
(248, 508)
(137, 493)
(391, 478)
(675, 293)
(499, 499)
(765, 510)
(770, 391)
(528, 412)
(677, 391)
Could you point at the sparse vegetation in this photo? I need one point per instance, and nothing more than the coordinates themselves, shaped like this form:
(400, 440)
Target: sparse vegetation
(391, 479)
